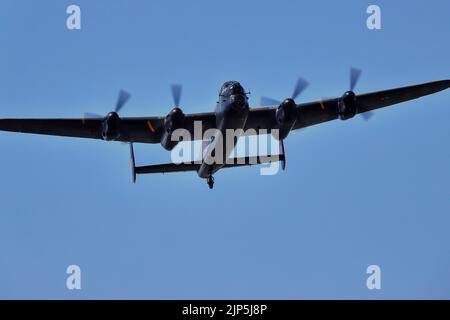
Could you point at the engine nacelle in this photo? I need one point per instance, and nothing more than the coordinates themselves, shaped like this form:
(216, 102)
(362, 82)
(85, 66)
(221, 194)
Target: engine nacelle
(111, 126)
(286, 116)
(173, 121)
(347, 106)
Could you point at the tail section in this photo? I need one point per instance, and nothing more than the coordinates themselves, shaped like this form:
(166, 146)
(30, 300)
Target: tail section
(133, 163)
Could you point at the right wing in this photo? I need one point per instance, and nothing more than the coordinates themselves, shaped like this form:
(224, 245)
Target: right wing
(313, 113)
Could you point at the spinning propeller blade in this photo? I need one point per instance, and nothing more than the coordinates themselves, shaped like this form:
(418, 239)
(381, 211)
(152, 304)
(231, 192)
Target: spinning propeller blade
(176, 93)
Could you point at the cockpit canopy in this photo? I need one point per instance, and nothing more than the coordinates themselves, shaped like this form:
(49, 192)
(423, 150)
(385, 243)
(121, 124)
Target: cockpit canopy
(231, 88)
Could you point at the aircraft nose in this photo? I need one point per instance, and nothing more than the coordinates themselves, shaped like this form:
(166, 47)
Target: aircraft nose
(238, 100)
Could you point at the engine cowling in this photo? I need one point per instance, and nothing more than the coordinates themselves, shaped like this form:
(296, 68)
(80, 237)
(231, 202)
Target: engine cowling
(173, 121)
(347, 106)
(286, 116)
(111, 127)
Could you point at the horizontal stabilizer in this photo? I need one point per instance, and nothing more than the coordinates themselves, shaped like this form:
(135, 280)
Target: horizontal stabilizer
(168, 167)
(194, 166)
(249, 161)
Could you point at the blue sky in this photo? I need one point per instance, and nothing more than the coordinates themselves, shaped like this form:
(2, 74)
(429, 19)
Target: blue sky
(355, 193)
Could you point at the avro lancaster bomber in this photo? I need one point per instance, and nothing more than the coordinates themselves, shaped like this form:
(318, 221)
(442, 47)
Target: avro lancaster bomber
(232, 112)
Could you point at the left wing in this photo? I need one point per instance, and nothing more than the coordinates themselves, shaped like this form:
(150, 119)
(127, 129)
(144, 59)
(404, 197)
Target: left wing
(143, 129)
(134, 129)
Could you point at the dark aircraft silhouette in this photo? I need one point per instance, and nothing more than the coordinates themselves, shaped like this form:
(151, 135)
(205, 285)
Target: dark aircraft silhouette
(232, 112)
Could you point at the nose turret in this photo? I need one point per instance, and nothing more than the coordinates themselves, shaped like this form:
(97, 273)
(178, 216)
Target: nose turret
(230, 88)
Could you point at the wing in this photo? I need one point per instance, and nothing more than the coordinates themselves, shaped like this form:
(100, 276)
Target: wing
(134, 129)
(144, 130)
(150, 129)
(322, 111)
(313, 113)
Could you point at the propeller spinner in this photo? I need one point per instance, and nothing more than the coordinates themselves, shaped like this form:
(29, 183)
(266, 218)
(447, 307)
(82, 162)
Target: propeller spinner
(174, 119)
(286, 113)
(111, 122)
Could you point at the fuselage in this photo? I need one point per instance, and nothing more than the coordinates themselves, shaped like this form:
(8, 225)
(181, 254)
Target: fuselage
(231, 113)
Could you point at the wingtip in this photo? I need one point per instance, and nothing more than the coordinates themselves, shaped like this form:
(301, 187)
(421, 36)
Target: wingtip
(446, 84)
(440, 85)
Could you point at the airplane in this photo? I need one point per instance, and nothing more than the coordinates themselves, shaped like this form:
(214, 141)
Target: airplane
(232, 112)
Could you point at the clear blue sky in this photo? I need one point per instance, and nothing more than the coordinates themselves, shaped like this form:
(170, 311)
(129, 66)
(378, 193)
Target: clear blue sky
(354, 193)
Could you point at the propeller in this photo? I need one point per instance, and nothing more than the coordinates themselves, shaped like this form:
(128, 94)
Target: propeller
(122, 99)
(89, 115)
(300, 86)
(355, 74)
(367, 115)
(266, 101)
(176, 93)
